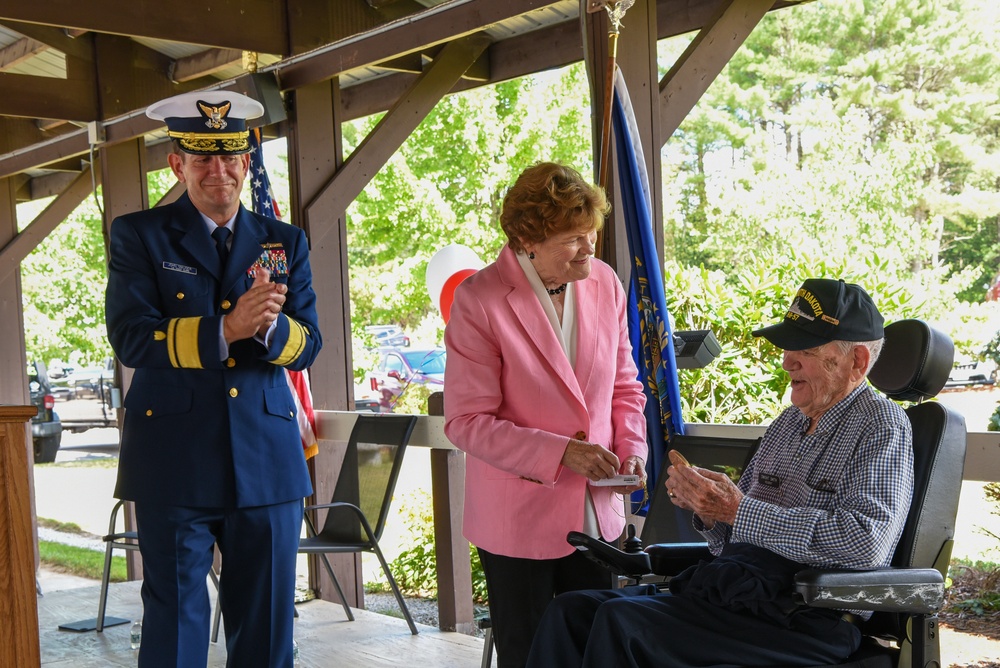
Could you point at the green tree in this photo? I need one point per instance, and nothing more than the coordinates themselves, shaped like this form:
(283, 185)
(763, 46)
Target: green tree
(845, 134)
(446, 185)
(63, 282)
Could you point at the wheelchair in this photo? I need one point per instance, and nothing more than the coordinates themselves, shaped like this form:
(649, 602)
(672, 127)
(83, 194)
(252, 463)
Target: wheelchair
(905, 598)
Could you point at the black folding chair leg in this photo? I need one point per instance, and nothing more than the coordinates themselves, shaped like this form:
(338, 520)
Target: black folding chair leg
(336, 583)
(488, 648)
(217, 618)
(105, 579)
(395, 588)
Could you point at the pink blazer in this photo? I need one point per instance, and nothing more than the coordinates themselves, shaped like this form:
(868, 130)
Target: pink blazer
(512, 401)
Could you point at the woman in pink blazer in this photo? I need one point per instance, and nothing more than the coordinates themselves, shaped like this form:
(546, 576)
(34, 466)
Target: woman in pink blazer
(542, 395)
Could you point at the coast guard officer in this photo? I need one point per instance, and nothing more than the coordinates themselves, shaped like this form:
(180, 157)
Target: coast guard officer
(210, 303)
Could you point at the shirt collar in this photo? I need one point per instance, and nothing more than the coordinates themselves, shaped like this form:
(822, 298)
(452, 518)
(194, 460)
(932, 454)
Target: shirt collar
(832, 417)
(210, 224)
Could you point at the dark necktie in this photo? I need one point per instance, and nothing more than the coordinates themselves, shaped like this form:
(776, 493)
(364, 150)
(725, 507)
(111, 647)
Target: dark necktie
(221, 235)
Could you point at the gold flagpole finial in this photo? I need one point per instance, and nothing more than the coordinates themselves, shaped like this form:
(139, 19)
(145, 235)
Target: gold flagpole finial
(616, 12)
(250, 60)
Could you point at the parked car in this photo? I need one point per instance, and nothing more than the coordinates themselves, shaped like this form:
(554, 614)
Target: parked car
(46, 429)
(388, 335)
(399, 368)
(91, 382)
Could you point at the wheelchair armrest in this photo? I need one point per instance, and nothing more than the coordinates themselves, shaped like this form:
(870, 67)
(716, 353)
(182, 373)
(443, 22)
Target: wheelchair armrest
(905, 590)
(672, 558)
(633, 565)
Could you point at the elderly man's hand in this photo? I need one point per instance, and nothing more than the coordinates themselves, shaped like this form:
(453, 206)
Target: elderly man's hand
(256, 309)
(710, 494)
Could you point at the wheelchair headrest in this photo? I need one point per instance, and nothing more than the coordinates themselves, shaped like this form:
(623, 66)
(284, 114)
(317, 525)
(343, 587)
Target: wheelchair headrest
(915, 363)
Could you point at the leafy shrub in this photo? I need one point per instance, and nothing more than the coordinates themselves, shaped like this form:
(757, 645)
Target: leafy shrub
(745, 383)
(415, 569)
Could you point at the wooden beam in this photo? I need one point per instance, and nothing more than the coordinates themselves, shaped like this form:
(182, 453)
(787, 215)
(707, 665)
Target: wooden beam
(14, 389)
(544, 49)
(398, 124)
(20, 51)
(124, 193)
(49, 185)
(254, 25)
(28, 96)
(433, 26)
(62, 206)
(703, 60)
(55, 38)
(315, 152)
(202, 64)
(132, 76)
(15, 135)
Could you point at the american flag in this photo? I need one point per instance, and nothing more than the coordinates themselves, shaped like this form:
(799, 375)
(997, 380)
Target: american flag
(265, 204)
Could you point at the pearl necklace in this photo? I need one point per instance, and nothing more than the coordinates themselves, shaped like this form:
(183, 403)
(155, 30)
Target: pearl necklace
(556, 291)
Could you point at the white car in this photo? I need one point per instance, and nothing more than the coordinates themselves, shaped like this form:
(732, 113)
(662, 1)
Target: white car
(972, 373)
(388, 335)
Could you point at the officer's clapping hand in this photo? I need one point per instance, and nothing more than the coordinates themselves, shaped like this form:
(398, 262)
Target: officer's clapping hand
(256, 309)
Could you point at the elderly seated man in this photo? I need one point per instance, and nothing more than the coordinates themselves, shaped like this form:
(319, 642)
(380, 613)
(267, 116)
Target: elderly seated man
(829, 487)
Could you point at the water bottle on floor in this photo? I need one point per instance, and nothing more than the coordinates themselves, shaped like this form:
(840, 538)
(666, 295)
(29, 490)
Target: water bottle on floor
(135, 634)
(295, 652)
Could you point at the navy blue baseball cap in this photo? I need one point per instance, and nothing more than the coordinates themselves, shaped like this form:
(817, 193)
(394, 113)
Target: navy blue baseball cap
(825, 310)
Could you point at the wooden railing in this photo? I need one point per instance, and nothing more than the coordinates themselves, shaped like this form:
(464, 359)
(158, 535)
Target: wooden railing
(982, 463)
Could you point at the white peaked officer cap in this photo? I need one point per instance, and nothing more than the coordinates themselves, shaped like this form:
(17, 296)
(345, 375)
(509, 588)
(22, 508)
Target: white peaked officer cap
(208, 122)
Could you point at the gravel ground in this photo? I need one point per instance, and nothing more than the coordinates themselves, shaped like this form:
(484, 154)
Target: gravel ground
(423, 610)
(84, 540)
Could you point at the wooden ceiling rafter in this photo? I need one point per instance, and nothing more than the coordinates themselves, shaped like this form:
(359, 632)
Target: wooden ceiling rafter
(253, 25)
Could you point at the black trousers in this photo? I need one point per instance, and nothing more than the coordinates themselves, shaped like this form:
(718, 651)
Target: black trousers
(638, 628)
(521, 589)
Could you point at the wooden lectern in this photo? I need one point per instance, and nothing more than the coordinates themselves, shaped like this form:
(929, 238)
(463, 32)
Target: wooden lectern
(19, 645)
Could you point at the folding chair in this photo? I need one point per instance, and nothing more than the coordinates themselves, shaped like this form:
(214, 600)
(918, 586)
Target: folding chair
(364, 490)
(121, 540)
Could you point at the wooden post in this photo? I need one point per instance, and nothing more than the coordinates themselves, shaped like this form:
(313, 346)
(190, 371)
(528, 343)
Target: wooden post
(454, 569)
(19, 645)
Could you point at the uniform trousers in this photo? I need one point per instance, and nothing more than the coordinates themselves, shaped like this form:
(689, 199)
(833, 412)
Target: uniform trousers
(257, 584)
(637, 627)
(521, 589)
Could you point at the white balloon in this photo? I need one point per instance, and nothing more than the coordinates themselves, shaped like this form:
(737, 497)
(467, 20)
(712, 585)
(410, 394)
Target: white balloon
(446, 269)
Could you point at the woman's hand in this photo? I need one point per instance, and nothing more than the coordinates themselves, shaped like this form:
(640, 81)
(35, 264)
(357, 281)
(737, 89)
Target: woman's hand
(590, 460)
(633, 465)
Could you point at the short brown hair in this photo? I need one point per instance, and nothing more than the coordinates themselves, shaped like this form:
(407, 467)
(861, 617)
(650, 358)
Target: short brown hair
(549, 199)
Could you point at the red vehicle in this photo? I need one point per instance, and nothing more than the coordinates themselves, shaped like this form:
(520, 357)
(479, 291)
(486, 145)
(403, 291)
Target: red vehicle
(398, 368)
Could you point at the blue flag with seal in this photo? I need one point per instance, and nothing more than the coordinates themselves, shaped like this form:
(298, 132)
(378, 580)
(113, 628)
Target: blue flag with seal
(648, 321)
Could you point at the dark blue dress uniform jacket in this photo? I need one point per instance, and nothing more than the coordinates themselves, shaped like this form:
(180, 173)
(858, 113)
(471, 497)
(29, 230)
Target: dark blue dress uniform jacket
(200, 431)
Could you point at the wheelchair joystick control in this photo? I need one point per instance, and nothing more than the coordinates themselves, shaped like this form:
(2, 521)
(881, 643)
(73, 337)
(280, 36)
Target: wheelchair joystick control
(632, 544)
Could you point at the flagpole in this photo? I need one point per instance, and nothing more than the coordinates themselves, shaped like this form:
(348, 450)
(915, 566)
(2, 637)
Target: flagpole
(616, 11)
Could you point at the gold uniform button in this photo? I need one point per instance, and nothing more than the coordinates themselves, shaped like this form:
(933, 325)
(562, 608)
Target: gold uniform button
(233, 392)
(291, 413)
(226, 304)
(149, 412)
(230, 362)
(180, 295)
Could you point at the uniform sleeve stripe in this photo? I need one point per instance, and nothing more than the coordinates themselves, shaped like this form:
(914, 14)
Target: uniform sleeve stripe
(182, 343)
(295, 345)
